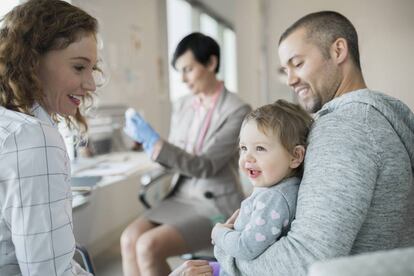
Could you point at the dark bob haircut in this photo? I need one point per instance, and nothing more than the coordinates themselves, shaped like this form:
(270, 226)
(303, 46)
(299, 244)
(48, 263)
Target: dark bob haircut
(202, 47)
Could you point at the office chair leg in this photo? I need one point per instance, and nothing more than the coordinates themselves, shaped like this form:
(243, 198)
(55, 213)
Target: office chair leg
(87, 261)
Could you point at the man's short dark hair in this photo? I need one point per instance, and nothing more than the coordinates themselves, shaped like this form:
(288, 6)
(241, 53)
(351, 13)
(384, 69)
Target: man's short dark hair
(202, 47)
(323, 28)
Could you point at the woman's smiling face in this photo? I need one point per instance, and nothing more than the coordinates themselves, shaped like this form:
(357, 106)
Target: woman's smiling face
(66, 75)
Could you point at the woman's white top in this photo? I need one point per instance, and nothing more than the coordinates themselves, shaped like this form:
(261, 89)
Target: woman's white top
(36, 231)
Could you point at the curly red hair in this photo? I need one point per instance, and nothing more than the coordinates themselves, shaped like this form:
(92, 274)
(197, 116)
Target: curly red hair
(29, 31)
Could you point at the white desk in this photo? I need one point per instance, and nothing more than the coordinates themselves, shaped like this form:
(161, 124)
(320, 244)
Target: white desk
(100, 217)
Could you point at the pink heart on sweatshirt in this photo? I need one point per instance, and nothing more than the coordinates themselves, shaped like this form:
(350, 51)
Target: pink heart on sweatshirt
(260, 237)
(260, 205)
(274, 214)
(260, 221)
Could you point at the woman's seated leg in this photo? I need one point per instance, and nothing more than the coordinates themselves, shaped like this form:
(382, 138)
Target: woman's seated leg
(155, 246)
(129, 240)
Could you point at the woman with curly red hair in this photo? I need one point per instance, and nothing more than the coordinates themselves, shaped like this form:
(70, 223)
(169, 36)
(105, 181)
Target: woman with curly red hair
(48, 56)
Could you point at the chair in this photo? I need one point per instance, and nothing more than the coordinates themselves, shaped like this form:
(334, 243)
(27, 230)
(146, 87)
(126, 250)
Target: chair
(159, 179)
(86, 259)
(152, 180)
(397, 261)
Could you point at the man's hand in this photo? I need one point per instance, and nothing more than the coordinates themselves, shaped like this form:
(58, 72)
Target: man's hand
(193, 268)
(228, 224)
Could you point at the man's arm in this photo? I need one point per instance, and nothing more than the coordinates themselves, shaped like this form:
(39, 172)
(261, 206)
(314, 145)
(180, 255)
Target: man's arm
(333, 201)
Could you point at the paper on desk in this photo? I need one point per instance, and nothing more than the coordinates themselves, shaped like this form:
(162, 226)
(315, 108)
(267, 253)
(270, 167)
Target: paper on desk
(107, 168)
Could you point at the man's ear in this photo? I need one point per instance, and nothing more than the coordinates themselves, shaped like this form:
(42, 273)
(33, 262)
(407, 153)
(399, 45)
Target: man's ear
(339, 50)
(212, 63)
(297, 156)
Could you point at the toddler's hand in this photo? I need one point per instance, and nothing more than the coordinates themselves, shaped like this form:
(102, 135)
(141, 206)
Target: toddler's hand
(233, 217)
(220, 225)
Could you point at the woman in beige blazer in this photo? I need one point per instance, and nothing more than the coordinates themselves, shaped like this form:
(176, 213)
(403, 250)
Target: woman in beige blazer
(202, 151)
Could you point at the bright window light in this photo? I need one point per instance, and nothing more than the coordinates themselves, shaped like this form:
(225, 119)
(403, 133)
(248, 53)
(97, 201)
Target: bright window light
(230, 60)
(179, 25)
(7, 5)
(209, 26)
(182, 19)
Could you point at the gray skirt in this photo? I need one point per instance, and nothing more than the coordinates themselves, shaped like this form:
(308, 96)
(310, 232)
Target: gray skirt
(193, 218)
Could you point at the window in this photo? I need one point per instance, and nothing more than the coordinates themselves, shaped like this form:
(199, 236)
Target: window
(6, 6)
(209, 26)
(230, 59)
(179, 25)
(184, 19)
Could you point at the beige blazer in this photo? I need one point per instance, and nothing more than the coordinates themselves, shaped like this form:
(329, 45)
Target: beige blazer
(214, 172)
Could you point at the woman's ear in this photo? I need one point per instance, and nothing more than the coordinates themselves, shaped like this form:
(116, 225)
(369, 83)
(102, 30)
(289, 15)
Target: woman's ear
(212, 64)
(297, 156)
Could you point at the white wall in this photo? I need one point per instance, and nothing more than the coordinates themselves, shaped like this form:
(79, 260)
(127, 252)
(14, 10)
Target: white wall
(135, 49)
(385, 28)
(248, 28)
